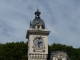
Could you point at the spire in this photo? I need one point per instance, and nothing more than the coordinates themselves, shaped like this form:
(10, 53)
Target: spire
(37, 13)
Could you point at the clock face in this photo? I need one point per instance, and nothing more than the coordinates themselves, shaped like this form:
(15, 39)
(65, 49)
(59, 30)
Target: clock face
(38, 42)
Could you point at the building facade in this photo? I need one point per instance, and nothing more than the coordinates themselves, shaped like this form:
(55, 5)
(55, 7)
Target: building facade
(37, 37)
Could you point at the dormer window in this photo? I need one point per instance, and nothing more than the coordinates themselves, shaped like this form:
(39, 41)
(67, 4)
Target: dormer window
(38, 27)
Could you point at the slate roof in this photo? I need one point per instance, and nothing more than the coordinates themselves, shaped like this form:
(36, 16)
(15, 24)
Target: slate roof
(37, 20)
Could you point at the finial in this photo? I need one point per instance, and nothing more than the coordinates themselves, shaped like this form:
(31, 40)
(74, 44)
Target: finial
(37, 9)
(37, 6)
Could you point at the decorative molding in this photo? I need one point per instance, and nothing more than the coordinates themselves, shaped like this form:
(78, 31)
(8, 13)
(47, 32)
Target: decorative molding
(37, 36)
(36, 32)
(59, 55)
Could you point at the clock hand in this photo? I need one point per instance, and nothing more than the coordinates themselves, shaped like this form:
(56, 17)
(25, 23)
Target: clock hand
(38, 44)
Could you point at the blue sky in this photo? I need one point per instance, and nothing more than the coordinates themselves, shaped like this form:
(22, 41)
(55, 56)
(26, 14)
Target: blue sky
(61, 17)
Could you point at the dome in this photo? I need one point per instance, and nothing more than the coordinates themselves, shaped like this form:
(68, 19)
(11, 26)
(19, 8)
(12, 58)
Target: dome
(37, 20)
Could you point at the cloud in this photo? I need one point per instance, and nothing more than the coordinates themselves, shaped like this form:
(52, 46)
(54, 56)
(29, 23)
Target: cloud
(61, 17)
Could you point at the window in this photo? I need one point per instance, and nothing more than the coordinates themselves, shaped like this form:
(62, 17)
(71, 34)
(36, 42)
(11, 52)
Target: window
(59, 59)
(38, 26)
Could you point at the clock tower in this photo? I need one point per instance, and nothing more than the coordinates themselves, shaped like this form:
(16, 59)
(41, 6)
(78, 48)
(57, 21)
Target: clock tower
(37, 37)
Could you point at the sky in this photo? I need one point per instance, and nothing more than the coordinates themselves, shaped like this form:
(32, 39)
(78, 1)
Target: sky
(61, 17)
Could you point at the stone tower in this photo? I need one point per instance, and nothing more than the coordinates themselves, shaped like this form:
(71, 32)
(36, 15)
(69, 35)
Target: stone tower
(37, 37)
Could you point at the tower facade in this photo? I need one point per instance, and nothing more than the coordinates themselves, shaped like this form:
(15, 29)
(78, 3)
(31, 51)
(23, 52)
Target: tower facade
(37, 37)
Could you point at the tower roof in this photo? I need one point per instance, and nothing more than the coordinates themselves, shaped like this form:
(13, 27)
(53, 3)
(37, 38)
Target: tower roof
(37, 20)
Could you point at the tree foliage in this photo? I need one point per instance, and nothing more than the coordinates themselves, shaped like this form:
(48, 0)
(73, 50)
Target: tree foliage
(13, 51)
(18, 51)
(73, 53)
